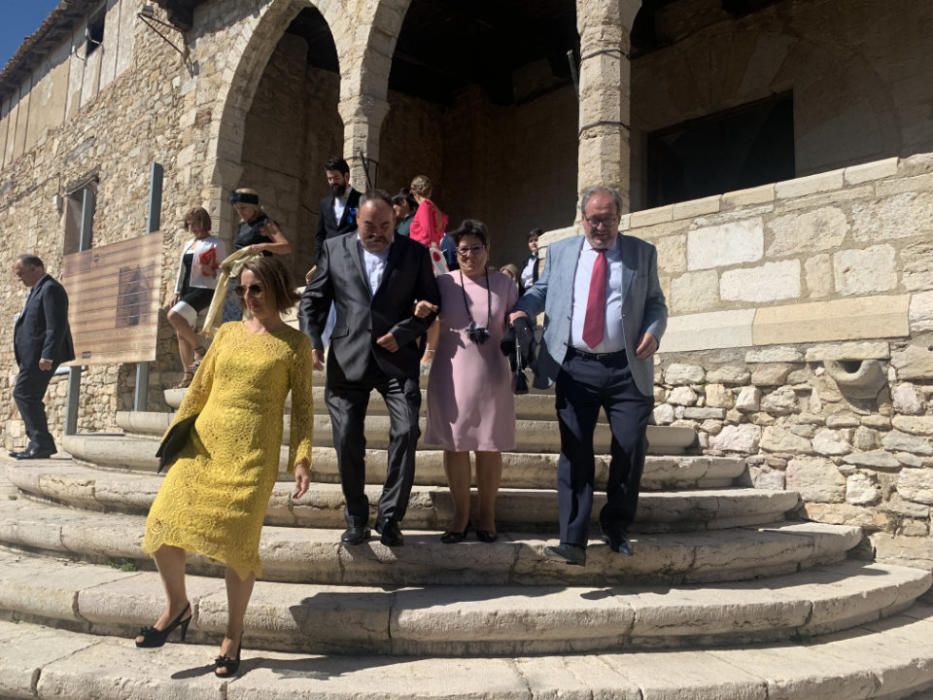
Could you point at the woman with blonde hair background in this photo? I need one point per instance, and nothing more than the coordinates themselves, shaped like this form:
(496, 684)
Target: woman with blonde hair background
(214, 498)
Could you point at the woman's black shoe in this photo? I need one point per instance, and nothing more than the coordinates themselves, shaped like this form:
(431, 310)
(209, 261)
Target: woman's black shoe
(229, 666)
(486, 536)
(452, 537)
(151, 637)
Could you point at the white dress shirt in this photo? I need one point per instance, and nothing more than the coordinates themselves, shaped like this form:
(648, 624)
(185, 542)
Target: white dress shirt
(528, 272)
(613, 338)
(374, 265)
(340, 204)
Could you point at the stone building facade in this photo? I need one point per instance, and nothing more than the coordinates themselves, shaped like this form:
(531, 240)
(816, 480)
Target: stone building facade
(800, 292)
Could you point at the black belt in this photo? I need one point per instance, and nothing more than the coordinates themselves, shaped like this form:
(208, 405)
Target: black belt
(595, 355)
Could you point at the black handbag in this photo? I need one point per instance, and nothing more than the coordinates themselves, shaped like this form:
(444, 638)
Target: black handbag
(174, 441)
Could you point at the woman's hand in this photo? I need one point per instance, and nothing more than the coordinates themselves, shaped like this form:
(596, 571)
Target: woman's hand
(423, 309)
(302, 478)
(208, 270)
(172, 301)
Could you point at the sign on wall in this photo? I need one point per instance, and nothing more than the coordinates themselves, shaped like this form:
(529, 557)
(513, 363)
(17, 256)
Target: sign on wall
(113, 294)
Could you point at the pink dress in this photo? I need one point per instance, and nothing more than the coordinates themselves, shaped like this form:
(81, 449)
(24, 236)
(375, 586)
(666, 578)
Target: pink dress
(470, 401)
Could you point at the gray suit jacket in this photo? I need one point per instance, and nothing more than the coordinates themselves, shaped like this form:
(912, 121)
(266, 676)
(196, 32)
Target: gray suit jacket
(643, 305)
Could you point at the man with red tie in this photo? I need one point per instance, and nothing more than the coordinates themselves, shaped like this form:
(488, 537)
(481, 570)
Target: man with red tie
(604, 317)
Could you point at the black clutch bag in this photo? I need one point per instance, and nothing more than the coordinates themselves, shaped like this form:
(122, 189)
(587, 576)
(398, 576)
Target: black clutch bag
(174, 441)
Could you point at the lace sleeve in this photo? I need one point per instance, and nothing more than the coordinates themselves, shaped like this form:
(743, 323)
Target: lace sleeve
(196, 394)
(302, 427)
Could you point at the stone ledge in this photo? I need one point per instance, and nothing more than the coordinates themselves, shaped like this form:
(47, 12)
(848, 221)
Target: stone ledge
(429, 508)
(841, 319)
(446, 620)
(307, 555)
(888, 659)
(520, 469)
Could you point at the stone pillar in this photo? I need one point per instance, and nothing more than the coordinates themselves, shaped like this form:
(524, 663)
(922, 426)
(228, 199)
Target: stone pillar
(362, 125)
(604, 153)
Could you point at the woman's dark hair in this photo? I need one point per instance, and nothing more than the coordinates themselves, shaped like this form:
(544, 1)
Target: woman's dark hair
(535, 232)
(276, 282)
(400, 199)
(198, 215)
(470, 227)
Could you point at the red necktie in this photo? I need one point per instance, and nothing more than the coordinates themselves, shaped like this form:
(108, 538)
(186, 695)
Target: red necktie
(594, 323)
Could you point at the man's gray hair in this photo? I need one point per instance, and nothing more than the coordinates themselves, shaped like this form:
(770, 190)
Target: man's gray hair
(600, 189)
(31, 260)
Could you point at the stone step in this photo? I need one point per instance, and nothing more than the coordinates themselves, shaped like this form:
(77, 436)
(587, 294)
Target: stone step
(429, 508)
(311, 555)
(532, 406)
(882, 660)
(457, 620)
(519, 470)
(530, 435)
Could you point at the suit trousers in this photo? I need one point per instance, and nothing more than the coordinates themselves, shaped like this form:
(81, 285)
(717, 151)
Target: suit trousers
(347, 403)
(585, 384)
(29, 392)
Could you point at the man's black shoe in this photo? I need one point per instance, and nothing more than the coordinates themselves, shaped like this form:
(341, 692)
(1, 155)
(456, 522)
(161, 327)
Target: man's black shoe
(355, 534)
(618, 541)
(566, 554)
(391, 534)
(35, 454)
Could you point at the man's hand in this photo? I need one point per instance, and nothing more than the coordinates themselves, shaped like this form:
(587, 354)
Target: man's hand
(647, 346)
(302, 478)
(515, 315)
(423, 309)
(310, 273)
(388, 342)
(45, 365)
(318, 356)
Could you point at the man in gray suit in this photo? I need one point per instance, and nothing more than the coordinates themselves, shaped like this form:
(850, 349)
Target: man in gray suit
(41, 341)
(604, 317)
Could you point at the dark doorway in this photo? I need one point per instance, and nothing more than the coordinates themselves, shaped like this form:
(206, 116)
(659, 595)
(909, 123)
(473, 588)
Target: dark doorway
(482, 101)
(731, 150)
(292, 128)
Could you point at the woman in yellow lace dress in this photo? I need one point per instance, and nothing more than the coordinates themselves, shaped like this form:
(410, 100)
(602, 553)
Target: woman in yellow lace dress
(214, 497)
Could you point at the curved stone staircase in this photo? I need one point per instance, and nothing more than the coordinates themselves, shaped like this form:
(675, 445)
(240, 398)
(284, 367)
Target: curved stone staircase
(726, 596)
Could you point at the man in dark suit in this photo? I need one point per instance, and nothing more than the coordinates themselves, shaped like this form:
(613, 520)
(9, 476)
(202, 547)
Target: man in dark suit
(41, 341)
(340, 207)
(373, 278)
(604, 317)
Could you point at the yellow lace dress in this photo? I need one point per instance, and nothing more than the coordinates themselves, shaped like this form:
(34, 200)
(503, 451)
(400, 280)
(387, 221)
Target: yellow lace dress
(214, 497)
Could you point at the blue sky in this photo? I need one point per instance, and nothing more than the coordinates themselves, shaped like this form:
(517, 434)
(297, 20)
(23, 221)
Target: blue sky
(20, 19)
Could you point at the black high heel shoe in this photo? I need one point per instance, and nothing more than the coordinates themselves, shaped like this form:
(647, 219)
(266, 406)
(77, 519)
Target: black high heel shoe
(487, 536)
(151, 637)
(230, 666)
(452, 536)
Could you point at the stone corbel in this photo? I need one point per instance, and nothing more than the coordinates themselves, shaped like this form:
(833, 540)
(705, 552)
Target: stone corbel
(863, 381)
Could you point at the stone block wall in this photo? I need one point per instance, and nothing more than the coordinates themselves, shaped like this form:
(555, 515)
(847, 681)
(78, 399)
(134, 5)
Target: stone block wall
(801, 335)
(858, 71)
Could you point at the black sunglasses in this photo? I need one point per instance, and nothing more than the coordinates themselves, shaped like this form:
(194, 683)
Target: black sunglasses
(254, 289)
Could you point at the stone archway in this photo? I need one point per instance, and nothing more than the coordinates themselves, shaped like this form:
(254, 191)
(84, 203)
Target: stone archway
(268, 136)
(483, 102)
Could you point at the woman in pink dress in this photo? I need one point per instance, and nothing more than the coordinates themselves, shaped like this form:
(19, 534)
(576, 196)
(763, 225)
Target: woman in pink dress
(470, 401)
(427, 227)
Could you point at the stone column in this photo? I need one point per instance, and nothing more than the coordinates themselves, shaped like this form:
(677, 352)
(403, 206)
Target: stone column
(362, 125)
(604, 153)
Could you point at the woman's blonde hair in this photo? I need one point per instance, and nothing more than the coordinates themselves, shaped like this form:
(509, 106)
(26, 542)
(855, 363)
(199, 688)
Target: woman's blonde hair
(421, 185)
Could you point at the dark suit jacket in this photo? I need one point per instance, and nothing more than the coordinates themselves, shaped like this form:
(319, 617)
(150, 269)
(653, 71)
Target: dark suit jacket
(328, 226)
(42, 330)
(363, 318)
